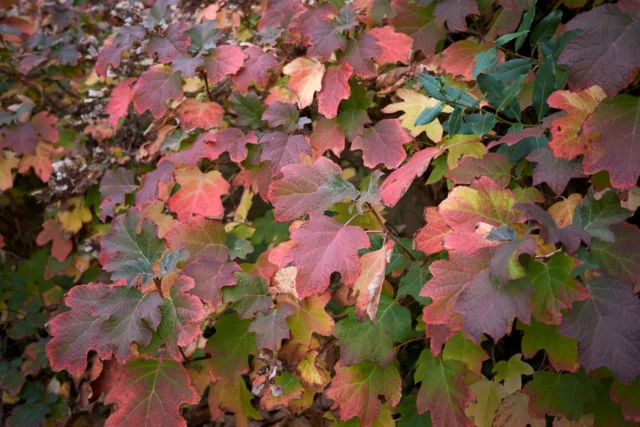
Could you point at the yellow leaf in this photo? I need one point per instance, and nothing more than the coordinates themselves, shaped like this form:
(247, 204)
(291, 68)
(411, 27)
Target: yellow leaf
(563, 211)
(74, 215)
(312, 375)
(242, 211)
(7, 162)
(488, 398)
(306, 79)
(413, 104)
(155, 212)
(462, 146)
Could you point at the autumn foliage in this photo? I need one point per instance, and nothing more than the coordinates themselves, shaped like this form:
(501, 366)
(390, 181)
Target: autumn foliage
(368, 212)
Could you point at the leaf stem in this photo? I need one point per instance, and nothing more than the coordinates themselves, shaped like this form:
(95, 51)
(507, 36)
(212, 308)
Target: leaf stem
(393, 237)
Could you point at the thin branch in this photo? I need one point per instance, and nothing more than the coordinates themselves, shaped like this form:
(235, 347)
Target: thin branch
(393, 237)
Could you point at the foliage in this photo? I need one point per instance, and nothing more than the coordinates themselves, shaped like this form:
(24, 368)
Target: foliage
(216, 211)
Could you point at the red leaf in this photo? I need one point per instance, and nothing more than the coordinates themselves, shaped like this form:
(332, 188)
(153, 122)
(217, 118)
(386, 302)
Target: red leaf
(114, 186)
(281, 149)
(418, 23)
(280, 13)
(383, 143)
(150, 392)
(51, 232)
(459, 58)
(272, 328)
(605, 53)
(225, 60)
(256, 69)
(325, 40)
(327, 135)
(119, 101)
(323, 246)
(40, 161)
(281, 114)
(454, 13)
(195, 114)
(199, 194)
(395, 47)
(355, 390)
(555, 171)
(231, 140)
(149, 190)
(617, 123)
(368, 286)
(359, 54)
(396, 184)
(210, 275)
(309, 189)
(174, 43)
(154, 88)
(493, 165)
(335, 87)
(187, 65)
(200, 237)
(429, 238)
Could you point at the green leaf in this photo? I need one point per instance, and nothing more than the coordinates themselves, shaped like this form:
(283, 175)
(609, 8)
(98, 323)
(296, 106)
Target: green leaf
(458, 347)
(133, 254)
(481, 123)
(597, 215)
(230, 347)
(543, 86)
(562, 350)
(525, 25)
(429, 114)
(485, 60)
(409, 411)
(511, 372)
(249, 110)
(455, 121)
(508, 37)
(438, 89)
(501, 97)
(413, 281)
(545, 29)
(362, 340)
(565, 395)
(443, 390)
(512, 69)
(554, 47)
(268, 230)
(249, 296)
(170, 261)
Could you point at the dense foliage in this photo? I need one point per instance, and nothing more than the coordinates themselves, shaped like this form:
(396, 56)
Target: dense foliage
(217, 212)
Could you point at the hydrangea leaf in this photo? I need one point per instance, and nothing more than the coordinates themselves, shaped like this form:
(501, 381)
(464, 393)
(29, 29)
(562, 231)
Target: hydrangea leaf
(489, 308)
(355, 390)
(272, 328)
(132, 254)
(429, 238)
(323, 246)
(443, 390)
(119, 101)
(567, 138)
(483, 201)
(282, 114)
(413, 104)
(554, 288)
(210, 275)
(195, 114)
(597, 216)
(325, 39)
(282, 149)
(511, 372)
(154, 88)
(488, 394)
(230, 347)
(225, 60)
(548, 394)
(200, 237)
(628, 397)
(234, 142)
(603, 54)
(51, 232)
(231, 395)
(454, 13)
(199, 194)
(604, 325)
(149, 392)
(555, 171)
(327, 135)
(458, 347)
(309, 317)
(418, 23)
(74, 214)
(368, 286)
(149, 189)
(335, 88)
(513, 411)
(114, 186)
(173, 43)
(383, 143)
(181, 317)
(305, 79)
(256, 68)
(562, 350)
(493, 165)
(399, 181)
(620, 258)
(395, 46)
(362, 340)
(309, 189)
(615, 121)
(249, 295)
(359, 54)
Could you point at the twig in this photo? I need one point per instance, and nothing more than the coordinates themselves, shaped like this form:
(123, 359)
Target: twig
(393, 237)
(203, 76)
